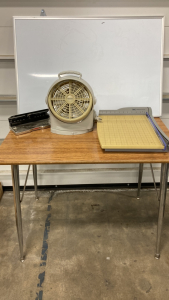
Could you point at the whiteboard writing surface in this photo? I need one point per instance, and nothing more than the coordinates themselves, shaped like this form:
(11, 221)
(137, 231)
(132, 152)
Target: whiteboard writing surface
(121, 59)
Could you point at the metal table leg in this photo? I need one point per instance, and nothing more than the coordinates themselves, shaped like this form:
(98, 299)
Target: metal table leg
(152, 172)
(17, 204)
(25, 183)
(35, 181)
(163, 190)
(139, 179)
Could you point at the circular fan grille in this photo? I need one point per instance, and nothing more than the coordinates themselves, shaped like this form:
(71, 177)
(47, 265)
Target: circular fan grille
(70, 101)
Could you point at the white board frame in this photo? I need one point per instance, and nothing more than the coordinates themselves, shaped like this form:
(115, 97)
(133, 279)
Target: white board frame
(91, 18)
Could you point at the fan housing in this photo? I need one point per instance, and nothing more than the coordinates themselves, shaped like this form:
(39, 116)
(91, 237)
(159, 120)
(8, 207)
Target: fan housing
(70, 101)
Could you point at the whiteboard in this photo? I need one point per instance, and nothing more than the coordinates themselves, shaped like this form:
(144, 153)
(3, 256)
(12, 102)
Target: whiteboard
(120, 58)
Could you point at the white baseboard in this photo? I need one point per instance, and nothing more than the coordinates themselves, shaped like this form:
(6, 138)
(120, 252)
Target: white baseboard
(58, 175)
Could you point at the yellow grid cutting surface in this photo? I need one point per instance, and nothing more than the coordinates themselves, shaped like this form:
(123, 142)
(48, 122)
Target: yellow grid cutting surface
(127, 132)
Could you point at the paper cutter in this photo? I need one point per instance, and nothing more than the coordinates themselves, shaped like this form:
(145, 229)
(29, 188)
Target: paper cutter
(130, 129)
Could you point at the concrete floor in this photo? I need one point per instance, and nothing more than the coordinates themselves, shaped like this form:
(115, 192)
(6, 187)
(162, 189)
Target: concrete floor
(88, 245)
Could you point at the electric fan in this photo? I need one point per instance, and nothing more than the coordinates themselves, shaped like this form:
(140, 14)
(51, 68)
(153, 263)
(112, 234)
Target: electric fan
(70, 101)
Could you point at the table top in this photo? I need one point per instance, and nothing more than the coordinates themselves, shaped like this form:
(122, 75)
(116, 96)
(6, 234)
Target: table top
(44, 147)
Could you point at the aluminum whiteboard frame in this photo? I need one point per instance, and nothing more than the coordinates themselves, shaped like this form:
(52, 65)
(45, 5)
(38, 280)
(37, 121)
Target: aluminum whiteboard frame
(91, 18)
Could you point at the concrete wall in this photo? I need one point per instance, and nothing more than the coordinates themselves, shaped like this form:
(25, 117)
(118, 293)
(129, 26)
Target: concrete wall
(79, 174)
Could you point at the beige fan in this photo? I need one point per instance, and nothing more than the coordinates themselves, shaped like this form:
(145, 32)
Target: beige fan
(71, 100)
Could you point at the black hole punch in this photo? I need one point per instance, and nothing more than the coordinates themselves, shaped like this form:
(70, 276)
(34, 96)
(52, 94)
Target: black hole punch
(28, 117)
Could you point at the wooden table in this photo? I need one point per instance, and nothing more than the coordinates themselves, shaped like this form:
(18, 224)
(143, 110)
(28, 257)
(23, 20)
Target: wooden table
(44, 147)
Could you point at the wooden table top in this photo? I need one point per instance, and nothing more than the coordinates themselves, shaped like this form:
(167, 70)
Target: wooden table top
(44, 147)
